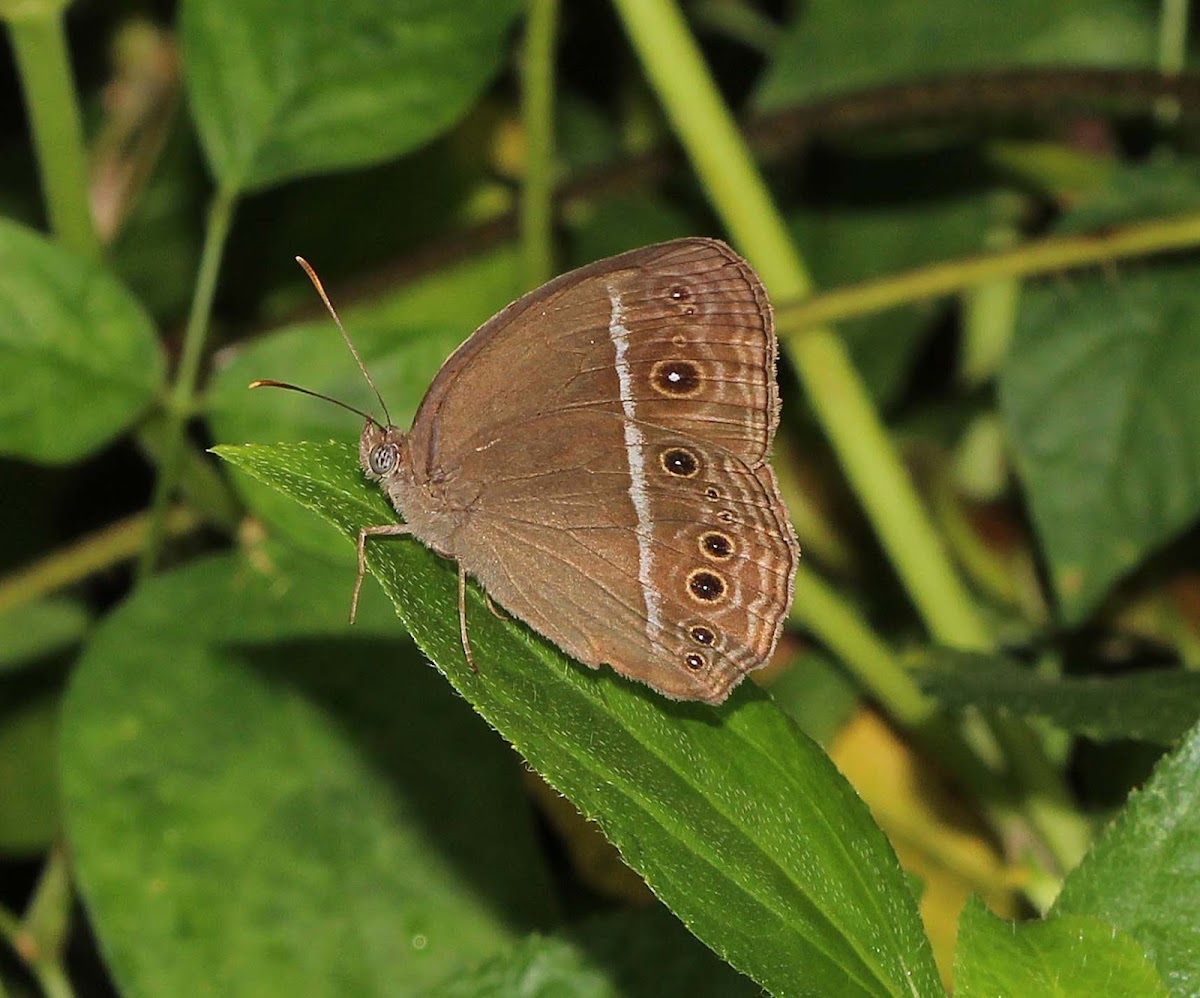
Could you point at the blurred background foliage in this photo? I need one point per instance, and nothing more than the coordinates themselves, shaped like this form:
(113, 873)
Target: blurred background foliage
(205, 776)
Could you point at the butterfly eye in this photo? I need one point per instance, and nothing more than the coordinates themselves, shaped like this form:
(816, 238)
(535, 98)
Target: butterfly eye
(383, 458)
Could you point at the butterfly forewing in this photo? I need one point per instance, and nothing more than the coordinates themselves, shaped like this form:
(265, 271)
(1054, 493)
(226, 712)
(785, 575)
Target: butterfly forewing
(699, 347)
(697, 353)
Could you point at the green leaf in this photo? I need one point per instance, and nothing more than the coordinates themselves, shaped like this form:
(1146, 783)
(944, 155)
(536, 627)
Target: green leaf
(261, 801)
(541, 967)
(1143, 873)
(279, 89)
(1099, 394)
(37, 630)
(403, 338)
(627, 222)
(1134, 193)
(79, 359)
(29, 812)
(834, 46)
(631, 954)
(1069, 956)
(1154, 705)
(736, 820)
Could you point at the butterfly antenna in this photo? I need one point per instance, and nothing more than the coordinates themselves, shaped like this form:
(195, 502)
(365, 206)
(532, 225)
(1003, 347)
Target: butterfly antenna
(312, 276)
(268, 383)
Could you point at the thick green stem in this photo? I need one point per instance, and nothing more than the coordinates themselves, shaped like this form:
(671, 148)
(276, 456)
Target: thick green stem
(737, 190)
(840, 628)
(183, 392)
(40, 46)
(720, 157)
(537, 111)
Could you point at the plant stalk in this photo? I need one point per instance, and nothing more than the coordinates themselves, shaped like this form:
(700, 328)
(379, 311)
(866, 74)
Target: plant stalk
(1172, 53)
(93, 553)
(721, 159)
(537, 112)
(40, 47)
(1048, 256)
(183, 391)
(840, 628)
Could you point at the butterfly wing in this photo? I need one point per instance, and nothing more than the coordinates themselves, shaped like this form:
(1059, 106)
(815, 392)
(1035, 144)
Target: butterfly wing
(599, 447)
(681, 578)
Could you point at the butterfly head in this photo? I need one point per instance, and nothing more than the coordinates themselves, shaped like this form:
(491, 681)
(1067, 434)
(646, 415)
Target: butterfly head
(382, 451)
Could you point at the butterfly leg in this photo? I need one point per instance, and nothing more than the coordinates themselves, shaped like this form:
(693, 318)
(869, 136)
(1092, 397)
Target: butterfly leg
(496, 611)
(462, 618)
(386, 530)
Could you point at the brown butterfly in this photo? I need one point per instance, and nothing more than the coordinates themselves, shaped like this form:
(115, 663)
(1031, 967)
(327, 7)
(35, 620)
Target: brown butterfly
(595, 456)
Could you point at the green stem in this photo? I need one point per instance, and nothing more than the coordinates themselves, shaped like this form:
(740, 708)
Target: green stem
(1048, 256)
(712, 141)
(201, 485)
(40, 46)
(1172, 54)
(839, 627)
(1172, 37)
(48, 914)
(47, 971)
(739, 21)
(93, 553)
(47, 924)
(220, 217)
(537, 111)
(990, 308)
(54, 982)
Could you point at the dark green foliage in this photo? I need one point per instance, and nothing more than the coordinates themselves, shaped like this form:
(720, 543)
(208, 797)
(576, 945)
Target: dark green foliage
(210, 783)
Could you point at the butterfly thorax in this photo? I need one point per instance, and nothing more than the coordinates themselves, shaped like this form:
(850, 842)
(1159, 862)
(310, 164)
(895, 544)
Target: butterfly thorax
(420, 498)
